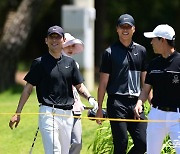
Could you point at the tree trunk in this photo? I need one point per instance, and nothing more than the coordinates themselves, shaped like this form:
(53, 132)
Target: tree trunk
(100, 6)
(14, 38)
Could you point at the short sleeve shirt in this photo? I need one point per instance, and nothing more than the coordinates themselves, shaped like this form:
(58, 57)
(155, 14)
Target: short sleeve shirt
(124, 66)
(163, 74)
(53, 79)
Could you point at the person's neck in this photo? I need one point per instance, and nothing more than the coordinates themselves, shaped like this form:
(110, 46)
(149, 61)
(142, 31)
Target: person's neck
(126, 43)
(168, 52)
(56, 55)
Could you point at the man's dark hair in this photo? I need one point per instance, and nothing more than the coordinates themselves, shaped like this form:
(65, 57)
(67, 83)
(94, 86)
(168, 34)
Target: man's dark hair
(170, 42)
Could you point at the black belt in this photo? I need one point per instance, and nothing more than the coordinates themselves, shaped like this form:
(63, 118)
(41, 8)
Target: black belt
(124, 96)
(168, 109)
(130, 96)
(68, 107)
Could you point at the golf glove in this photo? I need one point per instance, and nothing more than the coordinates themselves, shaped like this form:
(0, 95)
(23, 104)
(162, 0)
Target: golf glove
(94, 103)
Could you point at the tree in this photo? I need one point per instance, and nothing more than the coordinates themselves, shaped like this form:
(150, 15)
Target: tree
(99, 29)
(17, 31)
(14, 38)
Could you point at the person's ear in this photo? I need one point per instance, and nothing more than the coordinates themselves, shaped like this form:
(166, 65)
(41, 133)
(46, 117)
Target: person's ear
(163, 39)
(64, 39)
(46, 40)
(117, 28)
(134, 29)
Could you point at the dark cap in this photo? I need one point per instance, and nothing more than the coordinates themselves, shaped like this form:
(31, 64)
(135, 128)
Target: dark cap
(126, 19)
(55, 29)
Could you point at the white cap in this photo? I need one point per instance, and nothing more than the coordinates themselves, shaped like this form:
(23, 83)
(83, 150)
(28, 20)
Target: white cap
(70, 40)
(164, 31)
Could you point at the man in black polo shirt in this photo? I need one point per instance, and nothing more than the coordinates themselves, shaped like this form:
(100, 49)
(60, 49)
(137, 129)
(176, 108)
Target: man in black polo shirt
(163, 75)
(53, 75)
(121, 73)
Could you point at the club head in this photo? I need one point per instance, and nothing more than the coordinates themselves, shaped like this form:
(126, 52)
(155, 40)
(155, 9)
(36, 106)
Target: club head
(92, 114)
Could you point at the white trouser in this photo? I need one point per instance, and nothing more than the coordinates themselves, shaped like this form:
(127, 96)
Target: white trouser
(76, 137)
(55, 131)
(157, 131)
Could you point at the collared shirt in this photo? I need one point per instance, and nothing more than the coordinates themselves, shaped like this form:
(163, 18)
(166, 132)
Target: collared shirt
(124, 65)
(163, 74)
(53, 79)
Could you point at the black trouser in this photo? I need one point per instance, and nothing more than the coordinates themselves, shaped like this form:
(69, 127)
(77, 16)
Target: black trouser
(122, 107)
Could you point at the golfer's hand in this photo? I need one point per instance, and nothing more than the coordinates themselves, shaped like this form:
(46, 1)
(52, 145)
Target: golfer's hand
(137, 110)
(99, 114)
(14, 120)
(94, 103)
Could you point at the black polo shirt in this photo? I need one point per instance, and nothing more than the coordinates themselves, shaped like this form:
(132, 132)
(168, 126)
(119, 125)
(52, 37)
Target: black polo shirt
(163, 74)
(53, 79)
(124, 65)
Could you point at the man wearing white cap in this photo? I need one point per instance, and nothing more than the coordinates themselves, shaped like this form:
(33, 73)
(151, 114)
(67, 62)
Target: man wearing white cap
(73, 46)
(163, 76)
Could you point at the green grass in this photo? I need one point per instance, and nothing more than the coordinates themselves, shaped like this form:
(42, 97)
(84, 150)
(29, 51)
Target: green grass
(19, 140)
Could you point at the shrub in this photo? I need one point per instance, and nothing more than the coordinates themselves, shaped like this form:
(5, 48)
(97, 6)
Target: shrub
(103, 143)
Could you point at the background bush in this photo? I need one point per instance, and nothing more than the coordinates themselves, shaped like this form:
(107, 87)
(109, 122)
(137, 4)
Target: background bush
(103, 143)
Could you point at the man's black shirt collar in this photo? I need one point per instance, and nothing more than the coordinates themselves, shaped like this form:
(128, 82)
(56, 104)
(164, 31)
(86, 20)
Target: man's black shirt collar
(54, 59)
(130, 47)
(170, 58)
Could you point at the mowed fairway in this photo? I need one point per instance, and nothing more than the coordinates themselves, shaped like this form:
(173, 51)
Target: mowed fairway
(19, 140)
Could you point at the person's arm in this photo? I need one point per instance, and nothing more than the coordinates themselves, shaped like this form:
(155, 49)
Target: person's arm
(83, 91)
(104, 77)
(142, 98)
(23, 99)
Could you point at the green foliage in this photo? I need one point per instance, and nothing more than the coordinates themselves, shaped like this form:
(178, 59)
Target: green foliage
(22, 66)
(103, 141)
(167, 147)
(146, 108)
(130, 143)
